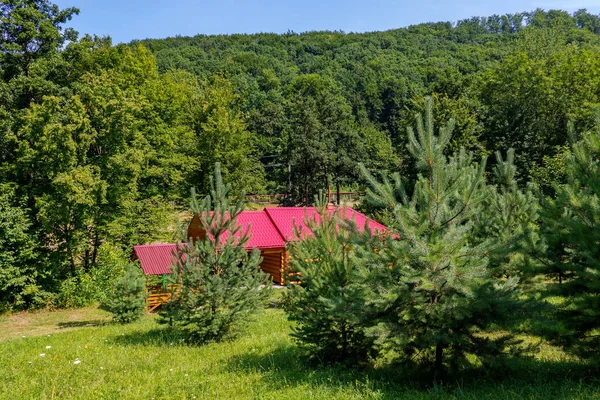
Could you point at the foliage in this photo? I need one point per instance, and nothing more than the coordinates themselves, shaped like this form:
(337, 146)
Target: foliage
(97, 284)
(222, 137)
(433, 293)
(571, 228)
(528, 100)
(216, 284)
(20, 275)
(551, 170)
(128, 299)
(324, 300)
(510, 215)
(322, 142)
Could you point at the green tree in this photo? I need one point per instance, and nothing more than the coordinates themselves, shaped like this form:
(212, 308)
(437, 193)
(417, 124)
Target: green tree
(432, 293)
(323, 144)
(20, 273)
(100, 164)
(571, 222)
(222, 136)
(510, 215)
(31, 33)
(528, 100)
(325, 300)
(217, 284)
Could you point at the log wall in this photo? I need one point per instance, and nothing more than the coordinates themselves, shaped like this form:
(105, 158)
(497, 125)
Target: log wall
(273, 264)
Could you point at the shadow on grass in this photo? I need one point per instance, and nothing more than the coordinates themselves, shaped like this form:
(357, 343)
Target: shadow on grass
(514, 378)
(285, 367)
(82, 324)
(162, 336)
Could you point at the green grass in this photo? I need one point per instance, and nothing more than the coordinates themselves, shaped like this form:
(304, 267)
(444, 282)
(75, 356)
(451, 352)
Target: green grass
(146, 361)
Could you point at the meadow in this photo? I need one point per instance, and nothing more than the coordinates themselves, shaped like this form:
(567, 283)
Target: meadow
(80, 354)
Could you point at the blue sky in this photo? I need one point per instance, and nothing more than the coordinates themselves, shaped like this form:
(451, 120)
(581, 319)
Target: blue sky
(125, 20)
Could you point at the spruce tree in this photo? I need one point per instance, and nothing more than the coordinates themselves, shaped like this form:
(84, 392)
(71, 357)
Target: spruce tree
(325, 300)
(572, 230)
(128, 300)
(432, 292)
(217, 285)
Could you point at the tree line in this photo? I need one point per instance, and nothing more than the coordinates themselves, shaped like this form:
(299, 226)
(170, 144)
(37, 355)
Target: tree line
(99, 144)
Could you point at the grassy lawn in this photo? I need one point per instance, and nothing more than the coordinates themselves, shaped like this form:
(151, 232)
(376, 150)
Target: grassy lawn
(44, 323)
(145, 361)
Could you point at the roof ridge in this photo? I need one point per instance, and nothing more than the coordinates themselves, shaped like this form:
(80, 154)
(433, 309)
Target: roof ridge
(154, 244)
(266, 211)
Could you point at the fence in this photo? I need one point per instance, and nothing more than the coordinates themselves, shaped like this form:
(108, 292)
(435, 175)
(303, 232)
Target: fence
(345, 197)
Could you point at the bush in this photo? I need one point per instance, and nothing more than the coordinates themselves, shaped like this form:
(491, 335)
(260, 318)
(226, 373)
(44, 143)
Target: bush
(97, 284)
(128, 298)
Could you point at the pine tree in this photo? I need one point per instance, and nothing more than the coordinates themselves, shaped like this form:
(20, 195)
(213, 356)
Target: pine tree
(432, 292)
(510, 215)
(325, 301)
(217, 284)
(128, 300)
(572, 229)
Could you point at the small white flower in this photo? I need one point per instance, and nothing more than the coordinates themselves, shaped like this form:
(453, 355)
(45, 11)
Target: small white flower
(48, 347)
(186, 374)
(171, 369)
(42, 355)
(23, 336)
(101, 367)
(77, 361)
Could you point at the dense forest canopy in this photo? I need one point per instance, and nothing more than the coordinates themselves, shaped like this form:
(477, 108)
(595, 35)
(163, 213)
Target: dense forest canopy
(100, 144)
(510, 81)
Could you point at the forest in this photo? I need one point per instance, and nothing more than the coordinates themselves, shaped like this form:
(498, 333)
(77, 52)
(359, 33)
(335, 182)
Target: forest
(477, 141)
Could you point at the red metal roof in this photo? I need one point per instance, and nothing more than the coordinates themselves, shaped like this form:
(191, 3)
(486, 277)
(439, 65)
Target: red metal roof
(155, 259)
(284, 218)
(264, 234)
(269, 228)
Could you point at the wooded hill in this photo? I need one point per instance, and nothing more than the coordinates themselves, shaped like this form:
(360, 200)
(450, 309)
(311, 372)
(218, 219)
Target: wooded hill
(326, 100)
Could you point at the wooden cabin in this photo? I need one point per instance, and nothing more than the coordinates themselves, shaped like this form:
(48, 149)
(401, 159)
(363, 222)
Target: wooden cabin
(271, 230)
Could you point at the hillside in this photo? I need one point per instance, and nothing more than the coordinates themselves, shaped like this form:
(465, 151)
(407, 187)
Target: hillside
(477, 68)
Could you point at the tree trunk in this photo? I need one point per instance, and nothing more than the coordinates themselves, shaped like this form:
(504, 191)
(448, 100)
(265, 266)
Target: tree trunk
(306, 194)
(344, 342)
(337, 190)
(439, 358)
(96, 245)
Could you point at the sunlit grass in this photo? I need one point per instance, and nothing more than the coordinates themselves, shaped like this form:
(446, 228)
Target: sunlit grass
(145, 360)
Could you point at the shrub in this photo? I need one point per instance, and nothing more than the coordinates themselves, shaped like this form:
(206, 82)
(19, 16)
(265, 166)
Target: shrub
(128, 298)
(97, 284)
